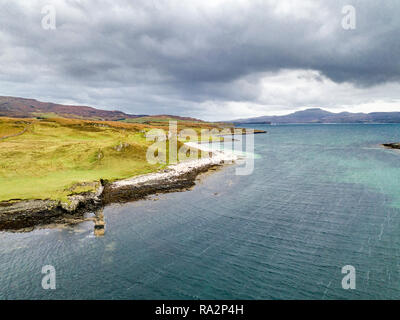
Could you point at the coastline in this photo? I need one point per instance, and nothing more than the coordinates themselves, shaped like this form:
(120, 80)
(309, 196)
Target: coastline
(24, 215)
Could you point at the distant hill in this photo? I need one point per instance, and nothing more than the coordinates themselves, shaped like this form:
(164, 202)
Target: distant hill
(317, 115)
(31, 108)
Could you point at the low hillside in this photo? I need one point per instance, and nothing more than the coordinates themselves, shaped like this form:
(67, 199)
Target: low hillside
(31, 108)
(53, 158)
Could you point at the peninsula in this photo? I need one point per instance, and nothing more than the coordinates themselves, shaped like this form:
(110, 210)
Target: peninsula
(58, 165)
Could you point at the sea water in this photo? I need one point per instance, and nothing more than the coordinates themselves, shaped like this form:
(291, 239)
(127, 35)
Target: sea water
(321, 197)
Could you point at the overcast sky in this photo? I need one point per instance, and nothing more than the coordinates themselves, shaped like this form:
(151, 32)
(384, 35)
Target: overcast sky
(211, 59)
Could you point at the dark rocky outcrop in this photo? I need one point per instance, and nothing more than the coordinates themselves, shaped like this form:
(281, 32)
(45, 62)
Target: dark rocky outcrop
(139, 191)
(394, 145)
(18, 215)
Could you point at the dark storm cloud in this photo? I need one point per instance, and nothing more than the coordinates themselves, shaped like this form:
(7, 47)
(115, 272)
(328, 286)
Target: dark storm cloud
(154, 56)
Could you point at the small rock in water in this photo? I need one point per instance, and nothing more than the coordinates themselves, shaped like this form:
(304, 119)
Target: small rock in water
(99, 225)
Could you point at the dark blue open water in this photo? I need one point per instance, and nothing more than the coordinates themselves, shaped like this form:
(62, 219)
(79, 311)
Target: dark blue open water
(321, 197)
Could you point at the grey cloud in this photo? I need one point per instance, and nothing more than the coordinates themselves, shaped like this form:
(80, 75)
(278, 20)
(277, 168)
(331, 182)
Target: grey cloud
(161, 55)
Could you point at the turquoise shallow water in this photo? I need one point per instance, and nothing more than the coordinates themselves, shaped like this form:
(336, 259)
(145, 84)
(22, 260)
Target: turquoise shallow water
(321, 197)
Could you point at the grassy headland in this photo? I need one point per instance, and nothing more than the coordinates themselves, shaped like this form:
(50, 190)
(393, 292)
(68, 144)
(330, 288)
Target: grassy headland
(51, 158)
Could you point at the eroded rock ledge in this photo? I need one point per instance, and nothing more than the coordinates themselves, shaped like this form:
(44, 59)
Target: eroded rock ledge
(22, 214)
(17, 215)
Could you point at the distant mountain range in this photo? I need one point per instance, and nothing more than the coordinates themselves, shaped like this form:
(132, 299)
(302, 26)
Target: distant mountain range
(317, 115)
(31, 108)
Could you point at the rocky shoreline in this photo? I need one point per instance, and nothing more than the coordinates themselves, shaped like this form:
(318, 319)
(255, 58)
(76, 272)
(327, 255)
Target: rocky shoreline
(17, 215)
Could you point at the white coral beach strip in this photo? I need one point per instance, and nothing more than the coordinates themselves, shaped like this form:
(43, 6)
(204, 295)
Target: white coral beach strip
(173, 171)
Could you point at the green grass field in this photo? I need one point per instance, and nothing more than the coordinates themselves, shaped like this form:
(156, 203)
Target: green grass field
(54, 157)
